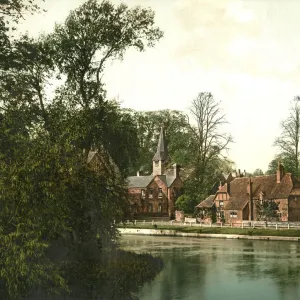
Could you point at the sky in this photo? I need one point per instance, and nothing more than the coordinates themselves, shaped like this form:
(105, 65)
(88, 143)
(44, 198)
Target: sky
(245, 52)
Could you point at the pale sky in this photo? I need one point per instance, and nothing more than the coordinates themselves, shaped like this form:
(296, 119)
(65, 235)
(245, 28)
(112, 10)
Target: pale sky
(246, 53)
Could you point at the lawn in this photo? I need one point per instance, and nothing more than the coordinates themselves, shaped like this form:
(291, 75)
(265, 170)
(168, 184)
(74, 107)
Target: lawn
(219, 230)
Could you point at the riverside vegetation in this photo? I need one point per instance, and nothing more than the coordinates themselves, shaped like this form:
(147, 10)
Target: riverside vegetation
(57, 231)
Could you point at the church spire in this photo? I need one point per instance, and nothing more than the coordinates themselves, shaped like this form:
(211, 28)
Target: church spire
(162, 149)
(161, 155)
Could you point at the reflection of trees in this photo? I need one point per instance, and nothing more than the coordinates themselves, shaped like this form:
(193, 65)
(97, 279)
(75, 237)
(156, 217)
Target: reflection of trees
(247, 262)
(177, 281)
(286, 275)
(193, 269)
(257, 261)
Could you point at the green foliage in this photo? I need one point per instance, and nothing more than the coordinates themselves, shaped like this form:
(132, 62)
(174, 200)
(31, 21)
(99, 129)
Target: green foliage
(49, 192)
(148, 125)
(257, 172)
(267, 210)
(186, 203)
(114, 276)
(288, 142)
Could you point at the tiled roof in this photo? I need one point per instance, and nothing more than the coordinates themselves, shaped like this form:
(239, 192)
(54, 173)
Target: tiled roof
(139, 181)
(267, 184)
(144, 181)
(207, 203)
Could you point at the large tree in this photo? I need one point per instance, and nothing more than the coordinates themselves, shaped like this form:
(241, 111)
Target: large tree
(288, 142)
(210, 145)
(48, 190)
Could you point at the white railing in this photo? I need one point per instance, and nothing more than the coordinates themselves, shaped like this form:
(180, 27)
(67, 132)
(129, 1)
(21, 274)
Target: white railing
(244, 224)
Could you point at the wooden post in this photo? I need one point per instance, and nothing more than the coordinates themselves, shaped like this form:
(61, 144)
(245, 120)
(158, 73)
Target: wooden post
(288, 225)
(152, 222)
(134, 222)
(210, 224)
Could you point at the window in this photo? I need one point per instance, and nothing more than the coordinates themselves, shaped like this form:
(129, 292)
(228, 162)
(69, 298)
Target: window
(160, 193)
(156, 164)
(143, 193)
(233, 214)
(160, 207)
(150, 193)
(150, 207)
(221, 203)
(220, 214)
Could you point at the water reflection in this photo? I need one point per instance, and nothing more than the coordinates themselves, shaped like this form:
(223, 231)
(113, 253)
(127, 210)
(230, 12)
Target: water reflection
(211, 269)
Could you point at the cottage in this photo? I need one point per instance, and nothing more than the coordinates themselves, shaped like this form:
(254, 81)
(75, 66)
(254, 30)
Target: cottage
(155, 195)
(268, 197)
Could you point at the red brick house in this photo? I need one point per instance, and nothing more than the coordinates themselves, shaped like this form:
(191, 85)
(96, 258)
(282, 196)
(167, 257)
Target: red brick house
(155, 195)
(268, 197)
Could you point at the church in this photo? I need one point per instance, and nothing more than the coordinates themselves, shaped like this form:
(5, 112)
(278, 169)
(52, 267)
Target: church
(155, 195)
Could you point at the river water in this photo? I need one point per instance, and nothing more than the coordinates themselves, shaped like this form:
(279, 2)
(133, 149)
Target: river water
(213, 269)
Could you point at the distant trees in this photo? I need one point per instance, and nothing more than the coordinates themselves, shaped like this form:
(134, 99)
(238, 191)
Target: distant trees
(177, 129)
(288, 142)
(258, 172)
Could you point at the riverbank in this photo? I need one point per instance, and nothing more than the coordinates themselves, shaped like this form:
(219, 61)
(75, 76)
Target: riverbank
(224, 233)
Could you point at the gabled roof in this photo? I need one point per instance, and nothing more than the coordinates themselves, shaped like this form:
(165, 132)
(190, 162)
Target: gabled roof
(207, 203)
(162, 149)
(144, 181)
(267, 184)
(139, 181)
(102, 157)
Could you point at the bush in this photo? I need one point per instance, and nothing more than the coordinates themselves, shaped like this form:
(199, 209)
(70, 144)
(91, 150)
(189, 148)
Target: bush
(186, 203)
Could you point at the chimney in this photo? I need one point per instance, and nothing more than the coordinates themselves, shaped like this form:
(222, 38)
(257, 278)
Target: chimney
(249, 190)
(279, 172)
(176, 170)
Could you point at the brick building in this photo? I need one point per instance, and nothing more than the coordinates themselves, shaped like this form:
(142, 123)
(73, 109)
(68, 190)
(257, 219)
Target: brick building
(155, 195)
(267, 197)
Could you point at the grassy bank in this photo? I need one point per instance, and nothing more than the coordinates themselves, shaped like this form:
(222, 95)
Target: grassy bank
(219, 230)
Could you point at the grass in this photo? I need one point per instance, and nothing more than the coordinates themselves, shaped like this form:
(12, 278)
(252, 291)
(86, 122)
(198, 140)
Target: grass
(219, 230)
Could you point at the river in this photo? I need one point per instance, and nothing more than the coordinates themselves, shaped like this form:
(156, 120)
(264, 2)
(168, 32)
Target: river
(213, 269)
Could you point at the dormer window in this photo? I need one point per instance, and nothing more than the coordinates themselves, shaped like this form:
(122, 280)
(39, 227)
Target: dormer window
(143, 193)
(160, 193)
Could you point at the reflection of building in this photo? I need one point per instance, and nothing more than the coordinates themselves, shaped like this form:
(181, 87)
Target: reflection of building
(268, 197)
(155, 195)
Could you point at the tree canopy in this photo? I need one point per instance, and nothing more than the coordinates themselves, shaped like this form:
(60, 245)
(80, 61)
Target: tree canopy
(50, 194)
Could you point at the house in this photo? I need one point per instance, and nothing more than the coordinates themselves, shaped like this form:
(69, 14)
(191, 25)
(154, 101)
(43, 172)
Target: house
(155, 194)
(267, 197)
(207, 210)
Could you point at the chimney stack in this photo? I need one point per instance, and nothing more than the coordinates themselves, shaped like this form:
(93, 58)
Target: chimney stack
(279, 172)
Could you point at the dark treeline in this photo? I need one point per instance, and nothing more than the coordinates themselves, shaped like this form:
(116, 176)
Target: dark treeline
(57, 212)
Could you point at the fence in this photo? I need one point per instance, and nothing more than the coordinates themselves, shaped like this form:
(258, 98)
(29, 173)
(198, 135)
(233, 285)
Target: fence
(244, 224)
